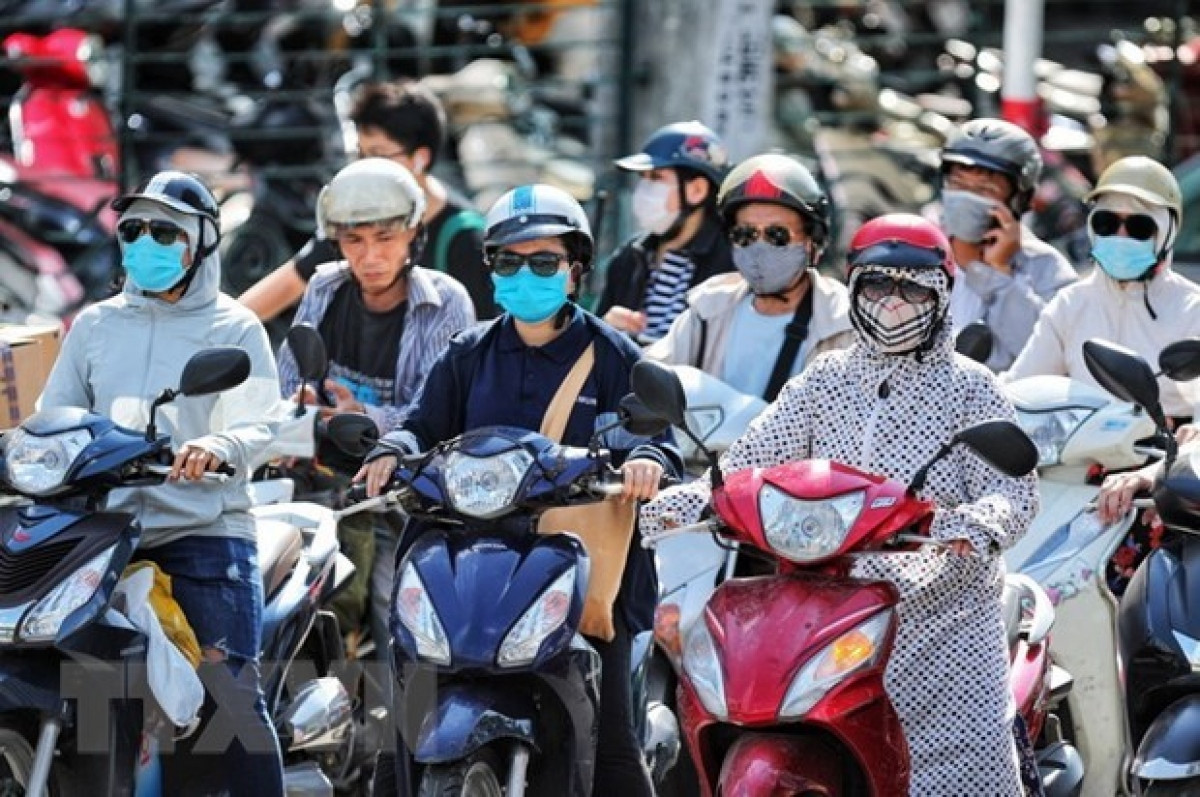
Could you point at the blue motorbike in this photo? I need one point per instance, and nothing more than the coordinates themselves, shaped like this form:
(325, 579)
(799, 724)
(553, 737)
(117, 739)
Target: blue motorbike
(496, 690)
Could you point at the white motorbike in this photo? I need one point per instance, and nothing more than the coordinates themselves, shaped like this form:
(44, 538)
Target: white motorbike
(1077, 427)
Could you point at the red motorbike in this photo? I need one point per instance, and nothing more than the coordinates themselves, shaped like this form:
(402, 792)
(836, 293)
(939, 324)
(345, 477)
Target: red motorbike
(805, 712)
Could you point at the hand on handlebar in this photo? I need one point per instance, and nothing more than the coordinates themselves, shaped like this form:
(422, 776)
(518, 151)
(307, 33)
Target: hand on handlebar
(192, 462)
(1118, 490)
(376, 474)
(641, 478)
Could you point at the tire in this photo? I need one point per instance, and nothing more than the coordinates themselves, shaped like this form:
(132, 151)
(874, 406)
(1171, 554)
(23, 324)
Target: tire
(1173, 788)
(477, 775)
(16, 762)
(252, 251)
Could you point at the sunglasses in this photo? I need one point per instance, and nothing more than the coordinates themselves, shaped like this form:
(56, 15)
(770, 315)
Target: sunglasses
(544, 264)
(875, 287)
(1137, 225)
(746, 234)
(163, 232)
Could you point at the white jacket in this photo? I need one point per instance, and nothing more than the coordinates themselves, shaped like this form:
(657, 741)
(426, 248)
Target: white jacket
(1143, 316)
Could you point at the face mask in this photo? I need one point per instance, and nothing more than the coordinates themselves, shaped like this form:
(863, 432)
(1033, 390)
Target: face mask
(151, 266)
(966, 216)
(1122, 258)
(530, 298)
(892, 325)
(770, 269)
(650, 207)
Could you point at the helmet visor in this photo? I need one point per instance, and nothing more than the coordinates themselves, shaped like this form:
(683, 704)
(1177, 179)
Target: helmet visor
(892, 254)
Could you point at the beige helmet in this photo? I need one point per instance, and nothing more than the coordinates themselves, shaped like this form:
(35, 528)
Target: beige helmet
(1144, 178)
(368, 191)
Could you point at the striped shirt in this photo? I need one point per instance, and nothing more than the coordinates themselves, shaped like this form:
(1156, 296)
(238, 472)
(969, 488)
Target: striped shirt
(666, 294)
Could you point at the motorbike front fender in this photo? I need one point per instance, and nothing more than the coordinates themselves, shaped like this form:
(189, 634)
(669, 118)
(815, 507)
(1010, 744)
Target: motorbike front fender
(469, 716)
(760, 765)
(1170, 749)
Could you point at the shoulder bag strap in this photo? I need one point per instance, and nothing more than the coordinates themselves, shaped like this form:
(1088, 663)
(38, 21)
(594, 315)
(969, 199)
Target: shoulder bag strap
(554, 422)
(795, 333)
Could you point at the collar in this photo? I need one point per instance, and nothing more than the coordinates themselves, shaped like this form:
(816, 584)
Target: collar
(565, 348)
(421, 288)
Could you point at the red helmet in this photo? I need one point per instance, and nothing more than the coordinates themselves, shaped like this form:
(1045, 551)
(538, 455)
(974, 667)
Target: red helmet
(901, 240)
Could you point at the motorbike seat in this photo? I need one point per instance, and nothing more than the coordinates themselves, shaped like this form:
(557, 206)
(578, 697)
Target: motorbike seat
(279, 547)
(1010, 609)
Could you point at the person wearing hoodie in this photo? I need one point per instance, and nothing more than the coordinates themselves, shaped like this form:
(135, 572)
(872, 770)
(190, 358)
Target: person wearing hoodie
(990, 170)
(1133, 298)
(777, 304)
(116, 358)
(680, 243)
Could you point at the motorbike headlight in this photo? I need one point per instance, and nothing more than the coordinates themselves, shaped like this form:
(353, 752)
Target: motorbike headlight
(858, 648)
(702, 663)
(1050, 431)
(807, 530)
(38, 465)
(42, 622)
(415, 610)
(484, 487)
(547, 613)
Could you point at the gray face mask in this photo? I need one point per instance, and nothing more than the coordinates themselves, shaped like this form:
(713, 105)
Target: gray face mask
(770, 269)
(966, 216)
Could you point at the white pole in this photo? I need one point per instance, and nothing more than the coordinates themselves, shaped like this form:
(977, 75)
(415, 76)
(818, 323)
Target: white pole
(1019, 102)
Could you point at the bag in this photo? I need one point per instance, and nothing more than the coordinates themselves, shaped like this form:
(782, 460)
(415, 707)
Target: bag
(604, 528)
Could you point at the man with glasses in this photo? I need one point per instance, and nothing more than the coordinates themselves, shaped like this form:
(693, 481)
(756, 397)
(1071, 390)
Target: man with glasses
(758, 327)
(402, 121)
(512, 372)
(990, 170)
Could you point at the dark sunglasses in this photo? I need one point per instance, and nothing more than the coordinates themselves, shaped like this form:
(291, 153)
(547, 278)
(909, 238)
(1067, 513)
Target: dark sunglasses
(875, 287)
(163, 232)
(746, 234)
(1138, 225)
(544, 264)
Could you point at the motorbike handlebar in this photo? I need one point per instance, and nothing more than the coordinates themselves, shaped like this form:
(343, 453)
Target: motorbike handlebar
(220, 475)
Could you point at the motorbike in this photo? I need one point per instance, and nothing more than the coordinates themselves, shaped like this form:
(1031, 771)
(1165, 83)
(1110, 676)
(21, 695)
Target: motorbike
(64, 556)
(1077, 428)
(495, 686)
(1156, 623)
(808, 712)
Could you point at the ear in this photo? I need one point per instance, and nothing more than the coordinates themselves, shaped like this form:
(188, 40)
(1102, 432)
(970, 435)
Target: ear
(420, 160)
(696, 190)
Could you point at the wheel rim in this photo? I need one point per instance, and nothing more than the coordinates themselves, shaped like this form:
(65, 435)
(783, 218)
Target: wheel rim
(480, 781)
(14, 775)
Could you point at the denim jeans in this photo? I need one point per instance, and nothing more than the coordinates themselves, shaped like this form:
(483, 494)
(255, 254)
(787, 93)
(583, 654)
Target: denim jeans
(217, 583)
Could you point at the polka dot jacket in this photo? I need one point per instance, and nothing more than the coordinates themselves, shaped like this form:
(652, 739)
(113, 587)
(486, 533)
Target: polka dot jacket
(947, 676)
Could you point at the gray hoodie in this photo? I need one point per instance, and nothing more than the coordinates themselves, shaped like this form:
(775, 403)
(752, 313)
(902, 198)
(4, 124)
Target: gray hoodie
(119, 355)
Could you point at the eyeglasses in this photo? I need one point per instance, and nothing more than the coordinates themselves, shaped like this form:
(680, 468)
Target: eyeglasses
(1137, 225)
(875, 287)
(977, 180)
(746, 234)
(544, 264)
(163, 232)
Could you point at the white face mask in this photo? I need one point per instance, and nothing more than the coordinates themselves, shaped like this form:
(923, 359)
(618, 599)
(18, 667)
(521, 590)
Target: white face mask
(650, 211)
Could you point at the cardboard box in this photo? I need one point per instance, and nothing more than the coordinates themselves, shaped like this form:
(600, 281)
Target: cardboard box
(27, 353)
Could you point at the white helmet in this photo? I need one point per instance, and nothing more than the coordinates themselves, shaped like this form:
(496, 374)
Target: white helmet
(539, 211)
(368, 191)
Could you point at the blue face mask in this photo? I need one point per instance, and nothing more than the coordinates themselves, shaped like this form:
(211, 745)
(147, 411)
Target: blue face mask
(1124, 258)
(152, 266)
(528, 297)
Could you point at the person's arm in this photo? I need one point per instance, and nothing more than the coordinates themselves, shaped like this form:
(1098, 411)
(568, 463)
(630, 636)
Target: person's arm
(275, 292)
(1045, 351)
(67, 385)
(1015, 302)
(679, 346)
(998, 509)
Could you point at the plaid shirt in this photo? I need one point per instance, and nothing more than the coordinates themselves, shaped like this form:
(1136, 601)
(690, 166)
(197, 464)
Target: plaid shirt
(438, 306)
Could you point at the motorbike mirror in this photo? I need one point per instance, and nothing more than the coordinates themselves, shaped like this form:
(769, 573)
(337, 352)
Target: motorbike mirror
(637, 418)
(1126, 374)
(213, 370)
(309, 350)
(975, 341)
(1003, 445)
(352, 433)
(660, 391)
(1181, 360)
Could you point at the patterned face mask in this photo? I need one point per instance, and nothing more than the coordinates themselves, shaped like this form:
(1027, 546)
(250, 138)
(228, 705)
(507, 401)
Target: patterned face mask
(893, 325)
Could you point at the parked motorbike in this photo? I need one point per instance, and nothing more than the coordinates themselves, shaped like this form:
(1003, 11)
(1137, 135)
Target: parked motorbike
(808, 711)
(1157, 628)
(496, 689)
(64, 555)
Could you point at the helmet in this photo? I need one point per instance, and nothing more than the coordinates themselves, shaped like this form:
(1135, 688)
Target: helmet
(690, 145)
(370, 190)
(1002, 147)
(539, 211)
(1144, 178)
(777, 179)
(901, 240)
(184, 193)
